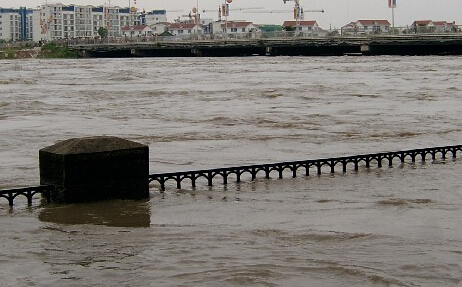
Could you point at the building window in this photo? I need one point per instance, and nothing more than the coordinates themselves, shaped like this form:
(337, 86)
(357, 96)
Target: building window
(234, 30)
(243, 30)
(180, 31)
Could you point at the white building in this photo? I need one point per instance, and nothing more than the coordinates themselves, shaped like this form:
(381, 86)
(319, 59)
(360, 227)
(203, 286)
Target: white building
(10, 28)
(159, 28)
(236, 28)
(137, 31)
(19, 24)
(185, 29)
(155, 17)
(60, 21)
(303, 27)
(429, 26)
(366, 27)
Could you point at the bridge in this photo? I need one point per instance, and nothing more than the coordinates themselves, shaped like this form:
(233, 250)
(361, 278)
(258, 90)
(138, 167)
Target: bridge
(422, 44)
(293, 167)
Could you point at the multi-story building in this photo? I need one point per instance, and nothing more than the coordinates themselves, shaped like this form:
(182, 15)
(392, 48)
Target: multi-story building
(17, 24)
(154, 17)
(60, 21)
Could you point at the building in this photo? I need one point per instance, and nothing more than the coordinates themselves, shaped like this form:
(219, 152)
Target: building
(302, 27)
(18, 24)
(137, 31)
(234, 28)
(159, 28)
(366, 27)
(60, 21)
(108, 18)
(373, 26)
(185, 29)
(154, 17)
(429, 26)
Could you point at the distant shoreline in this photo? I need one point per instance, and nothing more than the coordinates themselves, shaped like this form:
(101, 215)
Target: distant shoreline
(47, 51)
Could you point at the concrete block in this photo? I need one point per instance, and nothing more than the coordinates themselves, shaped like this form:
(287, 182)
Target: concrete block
(96, 168)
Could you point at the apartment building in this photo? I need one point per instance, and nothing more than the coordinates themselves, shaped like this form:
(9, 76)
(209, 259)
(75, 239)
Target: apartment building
(60, 21)
(17, 24)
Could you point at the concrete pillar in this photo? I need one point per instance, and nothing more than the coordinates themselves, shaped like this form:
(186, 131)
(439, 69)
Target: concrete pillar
(96, 168)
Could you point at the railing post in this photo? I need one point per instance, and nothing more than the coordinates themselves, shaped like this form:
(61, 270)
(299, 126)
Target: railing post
(178, 181)
(210, 178)
(267, 172)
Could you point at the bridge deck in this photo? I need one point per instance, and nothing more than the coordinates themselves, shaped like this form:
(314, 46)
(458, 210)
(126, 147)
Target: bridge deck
(366, 45)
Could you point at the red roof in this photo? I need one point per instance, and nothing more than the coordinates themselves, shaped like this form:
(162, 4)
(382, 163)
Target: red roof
(186, 26)
(439, 23)
(374, 22)
(435, 23)
(300, 23)
(421, 23)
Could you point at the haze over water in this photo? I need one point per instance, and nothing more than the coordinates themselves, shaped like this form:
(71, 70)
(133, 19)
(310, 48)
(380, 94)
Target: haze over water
(396, 226)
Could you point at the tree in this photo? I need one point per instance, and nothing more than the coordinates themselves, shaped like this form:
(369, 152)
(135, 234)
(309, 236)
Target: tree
(102, 32)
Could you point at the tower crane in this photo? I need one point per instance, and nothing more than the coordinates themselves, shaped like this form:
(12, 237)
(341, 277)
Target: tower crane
(224, 11)
(299, 12)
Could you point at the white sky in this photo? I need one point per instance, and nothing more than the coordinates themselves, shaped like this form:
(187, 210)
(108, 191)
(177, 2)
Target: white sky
(337, 12)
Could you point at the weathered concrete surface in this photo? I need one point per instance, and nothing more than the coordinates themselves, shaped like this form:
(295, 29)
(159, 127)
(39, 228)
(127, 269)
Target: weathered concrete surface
(96, 168)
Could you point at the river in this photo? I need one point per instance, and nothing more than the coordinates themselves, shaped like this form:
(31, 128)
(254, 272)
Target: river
(397, 226)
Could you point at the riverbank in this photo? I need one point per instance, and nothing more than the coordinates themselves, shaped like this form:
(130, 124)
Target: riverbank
(46, 51)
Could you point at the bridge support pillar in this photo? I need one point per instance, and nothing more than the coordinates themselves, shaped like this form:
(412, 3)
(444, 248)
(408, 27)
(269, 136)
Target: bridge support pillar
(96, 168)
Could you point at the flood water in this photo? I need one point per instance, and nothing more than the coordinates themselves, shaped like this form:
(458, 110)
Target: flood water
(398, 226)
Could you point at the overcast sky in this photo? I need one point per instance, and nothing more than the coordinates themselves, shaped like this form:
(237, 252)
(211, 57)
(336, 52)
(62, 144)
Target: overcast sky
(337, 12)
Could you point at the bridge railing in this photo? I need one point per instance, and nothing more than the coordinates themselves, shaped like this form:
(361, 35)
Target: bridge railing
(292, 167)
(28, 192)
(305, 165)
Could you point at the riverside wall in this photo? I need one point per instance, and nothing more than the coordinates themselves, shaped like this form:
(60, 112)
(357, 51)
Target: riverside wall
(444, 44)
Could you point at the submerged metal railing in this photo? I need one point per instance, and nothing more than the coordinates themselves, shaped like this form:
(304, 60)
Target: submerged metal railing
(254, 170)
(28, 192)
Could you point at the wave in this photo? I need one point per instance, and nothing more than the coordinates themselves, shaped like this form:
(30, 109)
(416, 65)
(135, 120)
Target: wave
(403, 201)
(11, 81)
(313, 235)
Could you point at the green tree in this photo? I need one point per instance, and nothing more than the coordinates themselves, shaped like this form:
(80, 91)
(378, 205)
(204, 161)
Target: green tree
(102, 32)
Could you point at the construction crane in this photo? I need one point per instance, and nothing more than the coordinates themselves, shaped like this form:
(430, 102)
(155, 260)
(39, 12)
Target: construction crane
(302, 11)
(299, 13)
(224, 10)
